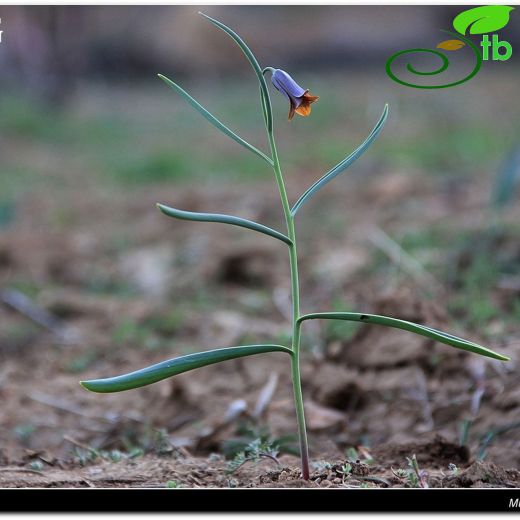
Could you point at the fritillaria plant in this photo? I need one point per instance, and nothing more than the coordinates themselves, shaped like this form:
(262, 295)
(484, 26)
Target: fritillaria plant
(300, 101)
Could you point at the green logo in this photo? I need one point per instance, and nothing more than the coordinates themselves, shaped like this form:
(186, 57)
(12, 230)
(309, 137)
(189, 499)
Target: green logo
(479, 20)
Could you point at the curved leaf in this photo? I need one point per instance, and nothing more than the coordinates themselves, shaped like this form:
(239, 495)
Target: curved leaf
(422, 330)
(254, 63)
(172, 367)
(224, 219)
(213, 120)
(482, 20)
(343, 165)
(451, 45)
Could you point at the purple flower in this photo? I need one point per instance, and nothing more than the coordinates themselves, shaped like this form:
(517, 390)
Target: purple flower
(300, 100)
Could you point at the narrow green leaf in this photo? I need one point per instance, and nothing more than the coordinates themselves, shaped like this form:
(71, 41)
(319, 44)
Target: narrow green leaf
(224, 219)
(343, 165)
(213, 120)
(172, 367)
(437, 335)
(254, 63)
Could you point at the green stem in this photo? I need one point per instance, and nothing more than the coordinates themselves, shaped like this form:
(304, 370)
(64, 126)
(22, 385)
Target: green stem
(295, 295)
(298, 402)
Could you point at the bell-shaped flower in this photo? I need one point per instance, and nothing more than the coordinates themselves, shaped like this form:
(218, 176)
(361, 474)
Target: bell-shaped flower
(300, 100)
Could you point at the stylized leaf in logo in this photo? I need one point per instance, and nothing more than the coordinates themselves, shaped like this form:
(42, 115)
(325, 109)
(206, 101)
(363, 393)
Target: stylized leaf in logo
(451, 45)
(481, 20)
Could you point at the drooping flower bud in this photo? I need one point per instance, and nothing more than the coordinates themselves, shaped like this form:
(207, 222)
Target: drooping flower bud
(300, 100)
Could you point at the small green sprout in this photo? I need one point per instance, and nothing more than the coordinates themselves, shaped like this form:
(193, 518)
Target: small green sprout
(346, 471)
(254, 452)
(300, 101)
(416, 476)
(400, 473)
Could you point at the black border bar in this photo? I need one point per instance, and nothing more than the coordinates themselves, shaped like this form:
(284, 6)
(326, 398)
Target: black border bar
(260, 500)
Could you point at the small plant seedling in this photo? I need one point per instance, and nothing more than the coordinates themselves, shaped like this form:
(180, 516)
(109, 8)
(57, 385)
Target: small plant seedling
(346, 471)
(250, 435)
(415, 477)
(300, 101)
(253, 452)
(400, 473)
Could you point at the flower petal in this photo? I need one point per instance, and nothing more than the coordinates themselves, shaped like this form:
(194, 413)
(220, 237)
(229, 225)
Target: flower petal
(283, 82)
(304, 110)
(305, 107)
(292, 109)
(279, 87)
(310, 97)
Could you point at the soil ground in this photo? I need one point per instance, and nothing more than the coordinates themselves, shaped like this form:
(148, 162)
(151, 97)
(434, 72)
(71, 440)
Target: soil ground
(122, 286)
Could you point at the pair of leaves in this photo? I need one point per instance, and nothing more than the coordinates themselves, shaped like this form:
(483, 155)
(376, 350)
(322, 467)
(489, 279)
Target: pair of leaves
(173, 367)
(213, 217)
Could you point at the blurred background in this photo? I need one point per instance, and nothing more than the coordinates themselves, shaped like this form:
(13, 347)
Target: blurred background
(95, 281)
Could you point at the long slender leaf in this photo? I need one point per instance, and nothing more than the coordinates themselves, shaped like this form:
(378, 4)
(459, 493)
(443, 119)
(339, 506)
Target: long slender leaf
(213, 120)
(437, 335)
(343, 165)
(172, 367)
(224, 219)
(254, 63)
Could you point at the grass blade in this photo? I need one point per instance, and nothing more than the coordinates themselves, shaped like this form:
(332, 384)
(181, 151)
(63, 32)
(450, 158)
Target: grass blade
(172, 367)
(213, 120)
(343, 165)
(254, 63)
(442, 337)
(507, 180)
(224, 219)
